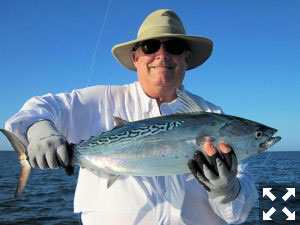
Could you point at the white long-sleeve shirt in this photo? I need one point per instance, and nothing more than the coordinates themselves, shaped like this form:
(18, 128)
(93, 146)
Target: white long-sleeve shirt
(130, 200)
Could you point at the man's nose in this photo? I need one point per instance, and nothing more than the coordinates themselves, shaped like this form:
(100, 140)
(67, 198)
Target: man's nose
(162, 52)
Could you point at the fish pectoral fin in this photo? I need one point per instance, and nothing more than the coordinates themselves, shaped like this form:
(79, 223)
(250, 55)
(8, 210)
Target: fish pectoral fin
(111, 179)
(120, 121)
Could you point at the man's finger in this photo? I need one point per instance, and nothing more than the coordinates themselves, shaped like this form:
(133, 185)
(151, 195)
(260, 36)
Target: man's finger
(209, 174)
(52, 160)
(62, 155)
(223, 171)
(42, 162)
(234, 167)
(196, 170)
(227, 152)
(212, 155)
(203, 180)
(198, 173)
(200, 159)
(214, 166)
(209, 148)
(224, 147)
(193, 167)
(33, 162)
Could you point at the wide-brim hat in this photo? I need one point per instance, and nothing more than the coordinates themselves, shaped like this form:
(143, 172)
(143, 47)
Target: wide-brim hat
(159, 24)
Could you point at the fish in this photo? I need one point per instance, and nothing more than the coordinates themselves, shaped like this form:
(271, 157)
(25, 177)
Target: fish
(157, 146)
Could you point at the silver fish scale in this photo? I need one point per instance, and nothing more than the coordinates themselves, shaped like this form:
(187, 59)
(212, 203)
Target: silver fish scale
(143, 131)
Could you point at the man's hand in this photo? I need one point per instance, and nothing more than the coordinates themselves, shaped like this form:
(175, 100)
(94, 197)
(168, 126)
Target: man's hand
(217, 173)
(47, 147)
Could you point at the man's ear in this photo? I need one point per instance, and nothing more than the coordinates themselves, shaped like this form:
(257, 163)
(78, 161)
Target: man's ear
(188, 56)
(134, 57)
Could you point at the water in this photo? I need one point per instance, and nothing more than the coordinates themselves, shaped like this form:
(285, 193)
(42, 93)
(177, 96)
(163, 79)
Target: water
(281, 168)
(48, 196)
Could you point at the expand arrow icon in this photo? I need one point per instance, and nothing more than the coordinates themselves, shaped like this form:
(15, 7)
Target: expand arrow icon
(290, 192)
(291, 216)
(267, 191)
(267, 216)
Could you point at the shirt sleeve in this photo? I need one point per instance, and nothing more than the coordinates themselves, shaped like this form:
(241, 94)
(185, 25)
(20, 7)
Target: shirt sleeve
(52, 107)
(237, 211)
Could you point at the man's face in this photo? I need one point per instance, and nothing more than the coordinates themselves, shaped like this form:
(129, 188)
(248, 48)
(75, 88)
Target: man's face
(160, 69)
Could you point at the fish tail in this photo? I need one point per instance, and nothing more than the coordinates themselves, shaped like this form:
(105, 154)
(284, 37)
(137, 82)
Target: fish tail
(25, 167)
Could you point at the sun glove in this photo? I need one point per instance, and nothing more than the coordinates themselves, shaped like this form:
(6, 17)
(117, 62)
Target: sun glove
(218, 177)
(47, 147)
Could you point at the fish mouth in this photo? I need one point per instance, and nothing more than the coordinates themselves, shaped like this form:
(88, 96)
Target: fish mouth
(270, 142)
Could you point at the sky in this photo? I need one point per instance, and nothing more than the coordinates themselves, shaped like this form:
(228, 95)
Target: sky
(51, 47)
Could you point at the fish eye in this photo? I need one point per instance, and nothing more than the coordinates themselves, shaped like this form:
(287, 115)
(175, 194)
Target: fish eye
(258, 134)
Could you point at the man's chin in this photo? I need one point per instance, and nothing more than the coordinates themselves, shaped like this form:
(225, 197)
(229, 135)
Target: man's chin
(163, 83)
(163, 73)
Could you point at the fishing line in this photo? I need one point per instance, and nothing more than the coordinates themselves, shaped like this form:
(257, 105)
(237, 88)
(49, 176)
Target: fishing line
(263, 163)
(97, 45)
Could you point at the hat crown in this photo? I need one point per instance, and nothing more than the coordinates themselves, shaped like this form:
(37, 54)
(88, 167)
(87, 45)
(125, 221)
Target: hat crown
(163, 21)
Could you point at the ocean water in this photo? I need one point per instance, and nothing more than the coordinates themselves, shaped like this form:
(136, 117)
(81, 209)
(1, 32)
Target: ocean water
(46, 199)
(48, 196)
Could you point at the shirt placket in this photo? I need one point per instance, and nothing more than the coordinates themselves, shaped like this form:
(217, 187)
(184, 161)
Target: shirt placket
(162, 209)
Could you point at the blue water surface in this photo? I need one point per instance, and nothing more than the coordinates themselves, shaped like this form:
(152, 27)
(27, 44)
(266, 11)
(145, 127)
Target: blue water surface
(47, 198)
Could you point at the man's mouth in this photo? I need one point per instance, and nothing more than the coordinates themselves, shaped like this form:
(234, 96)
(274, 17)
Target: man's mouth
(162, 67)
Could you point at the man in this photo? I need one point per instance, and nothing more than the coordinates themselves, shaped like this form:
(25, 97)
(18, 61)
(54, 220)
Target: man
(161, 55)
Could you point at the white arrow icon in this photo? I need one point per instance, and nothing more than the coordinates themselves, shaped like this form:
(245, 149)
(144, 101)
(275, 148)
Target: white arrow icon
(291, 216)
(267, 191)
(267, 216)
(290, 192)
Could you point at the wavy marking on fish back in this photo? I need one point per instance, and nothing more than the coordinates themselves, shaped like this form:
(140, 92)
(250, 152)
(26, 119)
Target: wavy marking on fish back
(125, 134)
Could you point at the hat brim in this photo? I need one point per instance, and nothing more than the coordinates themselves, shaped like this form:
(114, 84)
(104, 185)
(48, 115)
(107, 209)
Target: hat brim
(200, 47)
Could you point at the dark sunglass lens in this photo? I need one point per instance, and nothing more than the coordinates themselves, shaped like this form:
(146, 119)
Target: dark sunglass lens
(175, 46)
(150, 46)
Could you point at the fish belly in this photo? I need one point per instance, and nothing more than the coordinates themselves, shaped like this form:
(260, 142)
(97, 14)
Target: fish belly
(150, 158)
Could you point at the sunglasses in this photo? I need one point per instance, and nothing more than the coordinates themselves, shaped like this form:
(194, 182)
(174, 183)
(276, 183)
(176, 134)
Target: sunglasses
(173, 46)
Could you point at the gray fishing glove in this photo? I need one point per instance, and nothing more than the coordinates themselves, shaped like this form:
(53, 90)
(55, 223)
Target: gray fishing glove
(47, 147)
(218, 176)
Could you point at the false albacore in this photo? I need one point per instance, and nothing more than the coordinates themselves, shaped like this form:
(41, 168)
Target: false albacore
(158, 146)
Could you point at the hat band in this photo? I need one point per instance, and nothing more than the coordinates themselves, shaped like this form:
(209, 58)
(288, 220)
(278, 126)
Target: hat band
(161, 30)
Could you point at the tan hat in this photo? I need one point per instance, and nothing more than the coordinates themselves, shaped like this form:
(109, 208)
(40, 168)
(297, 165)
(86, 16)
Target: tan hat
(164, 23)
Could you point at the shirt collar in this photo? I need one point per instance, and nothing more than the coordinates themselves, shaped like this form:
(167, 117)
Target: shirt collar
(149, 103)
(167, 108)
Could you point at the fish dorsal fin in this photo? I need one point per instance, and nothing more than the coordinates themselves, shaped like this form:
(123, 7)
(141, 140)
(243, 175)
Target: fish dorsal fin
(111, 179)
(187, 103)
(120, 121)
